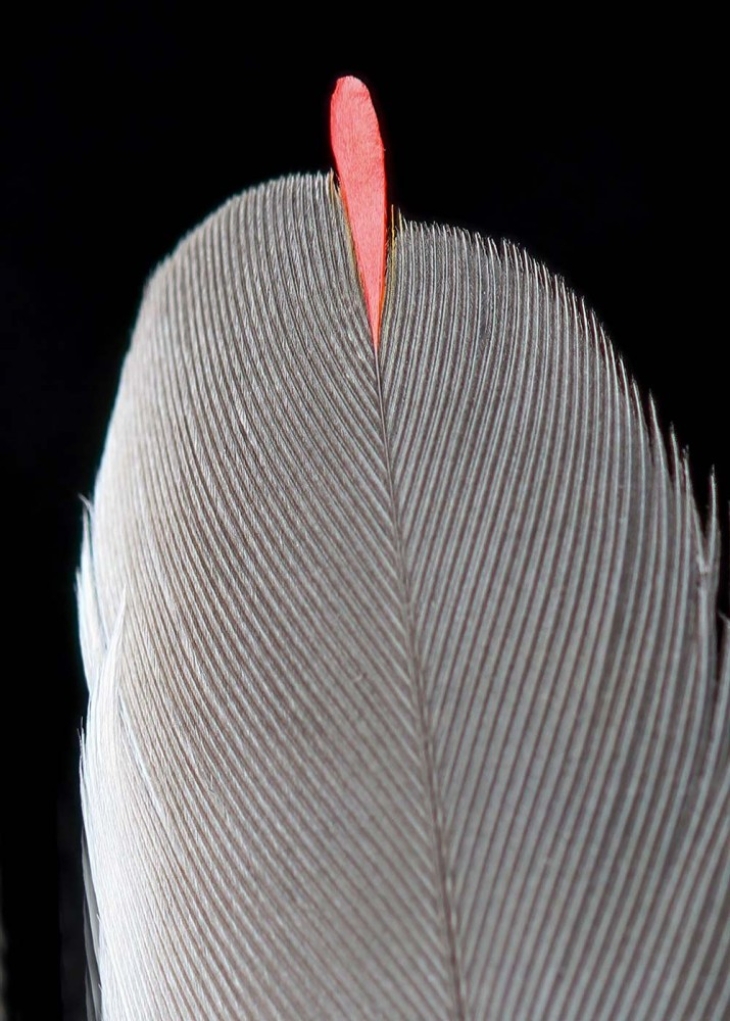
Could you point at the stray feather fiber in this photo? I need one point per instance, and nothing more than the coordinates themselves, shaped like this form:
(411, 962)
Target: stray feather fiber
(404, 695)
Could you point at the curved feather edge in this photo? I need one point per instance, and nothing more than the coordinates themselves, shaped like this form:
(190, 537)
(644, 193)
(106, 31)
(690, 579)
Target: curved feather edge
(404, 693)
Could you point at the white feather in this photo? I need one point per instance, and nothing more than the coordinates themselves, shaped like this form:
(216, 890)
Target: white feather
(404, 700)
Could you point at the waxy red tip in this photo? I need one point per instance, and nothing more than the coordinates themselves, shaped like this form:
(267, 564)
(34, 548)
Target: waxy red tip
(359, 158)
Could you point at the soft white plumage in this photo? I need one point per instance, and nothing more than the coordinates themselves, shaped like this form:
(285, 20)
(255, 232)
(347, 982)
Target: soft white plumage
(404, 691)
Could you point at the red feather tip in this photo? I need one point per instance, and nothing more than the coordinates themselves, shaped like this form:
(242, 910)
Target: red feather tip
(357, 147)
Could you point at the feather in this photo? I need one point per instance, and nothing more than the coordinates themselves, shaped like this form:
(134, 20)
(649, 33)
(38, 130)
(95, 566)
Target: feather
(404, 693)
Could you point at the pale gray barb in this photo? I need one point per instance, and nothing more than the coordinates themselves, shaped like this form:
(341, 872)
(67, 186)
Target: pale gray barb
(404, 695)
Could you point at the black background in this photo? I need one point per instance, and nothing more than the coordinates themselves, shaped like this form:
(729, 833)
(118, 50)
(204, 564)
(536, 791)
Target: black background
(123, 127)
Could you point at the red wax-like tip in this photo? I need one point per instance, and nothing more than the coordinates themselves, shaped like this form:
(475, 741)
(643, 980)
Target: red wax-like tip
(359, 159)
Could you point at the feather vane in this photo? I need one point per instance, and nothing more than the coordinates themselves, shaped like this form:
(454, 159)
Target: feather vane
(404, 693)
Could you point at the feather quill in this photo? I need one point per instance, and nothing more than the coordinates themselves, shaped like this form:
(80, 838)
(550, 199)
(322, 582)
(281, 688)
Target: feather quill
(405, 699)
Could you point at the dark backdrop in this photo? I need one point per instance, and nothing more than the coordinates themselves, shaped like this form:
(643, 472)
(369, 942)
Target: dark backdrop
(122, 128)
